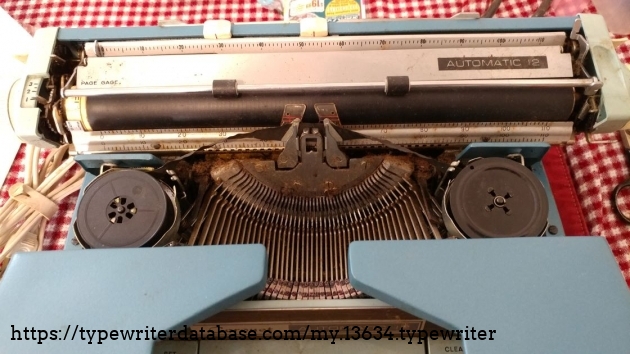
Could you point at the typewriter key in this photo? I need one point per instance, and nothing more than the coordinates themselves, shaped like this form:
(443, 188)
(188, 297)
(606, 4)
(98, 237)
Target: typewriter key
(498, 197)
(125, 208)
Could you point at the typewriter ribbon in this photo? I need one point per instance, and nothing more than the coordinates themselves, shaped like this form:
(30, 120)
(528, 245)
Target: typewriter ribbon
(307, 230)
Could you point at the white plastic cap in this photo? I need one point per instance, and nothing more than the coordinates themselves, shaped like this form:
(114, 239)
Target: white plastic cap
(313, 27)
(217, 29)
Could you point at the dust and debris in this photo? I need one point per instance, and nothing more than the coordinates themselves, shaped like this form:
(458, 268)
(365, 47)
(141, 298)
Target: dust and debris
(201, 170)
(183, 170)
(203, 167)
(423, 170)
(448, 156)
(330, 188)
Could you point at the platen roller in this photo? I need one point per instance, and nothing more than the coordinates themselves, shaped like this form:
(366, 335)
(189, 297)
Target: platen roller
(355, 107)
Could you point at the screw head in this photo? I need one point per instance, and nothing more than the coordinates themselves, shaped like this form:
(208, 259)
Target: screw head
(499, 201)
(553, 229)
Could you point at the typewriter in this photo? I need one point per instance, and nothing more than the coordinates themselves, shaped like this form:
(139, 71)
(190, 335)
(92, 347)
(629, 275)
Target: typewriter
(312, 175)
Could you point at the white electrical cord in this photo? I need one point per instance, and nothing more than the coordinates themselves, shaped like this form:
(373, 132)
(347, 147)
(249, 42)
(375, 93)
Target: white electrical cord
(23, 218)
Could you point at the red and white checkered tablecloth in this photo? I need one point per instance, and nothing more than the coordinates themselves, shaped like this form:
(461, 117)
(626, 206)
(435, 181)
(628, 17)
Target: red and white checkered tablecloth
(595, 168)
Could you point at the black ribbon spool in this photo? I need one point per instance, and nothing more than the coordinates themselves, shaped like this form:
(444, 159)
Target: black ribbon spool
(498, 197)
(126, 208)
